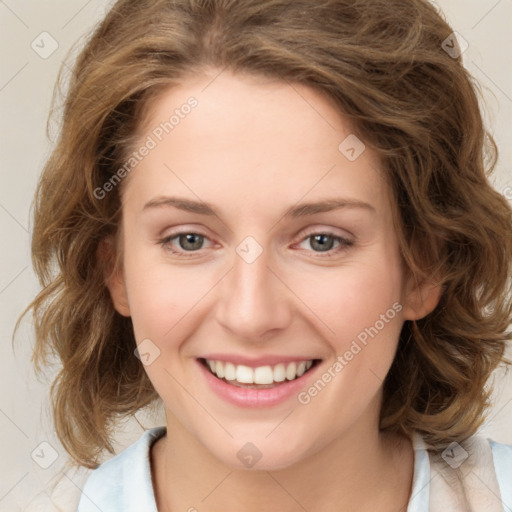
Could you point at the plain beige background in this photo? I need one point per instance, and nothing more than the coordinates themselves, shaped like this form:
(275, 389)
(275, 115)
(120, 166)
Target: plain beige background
(27, 77)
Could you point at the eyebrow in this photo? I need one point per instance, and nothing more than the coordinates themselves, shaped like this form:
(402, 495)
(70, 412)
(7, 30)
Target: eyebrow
(295, 211)
(299, 210)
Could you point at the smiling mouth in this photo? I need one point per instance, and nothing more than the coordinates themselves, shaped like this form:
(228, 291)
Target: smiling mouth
(261, 377)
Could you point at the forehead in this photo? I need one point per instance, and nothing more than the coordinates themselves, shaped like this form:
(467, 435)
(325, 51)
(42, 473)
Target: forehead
(248, 139)
(238, 112)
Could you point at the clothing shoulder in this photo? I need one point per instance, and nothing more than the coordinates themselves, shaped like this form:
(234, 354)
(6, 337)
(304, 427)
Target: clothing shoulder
(502, 456)
(62, 494)
(475, 474)
(123, 483)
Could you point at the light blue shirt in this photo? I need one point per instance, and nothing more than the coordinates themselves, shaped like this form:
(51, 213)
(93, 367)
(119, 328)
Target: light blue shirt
(123, 483)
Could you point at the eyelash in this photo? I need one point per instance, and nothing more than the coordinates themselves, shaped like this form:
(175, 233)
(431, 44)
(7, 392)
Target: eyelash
(344, 243)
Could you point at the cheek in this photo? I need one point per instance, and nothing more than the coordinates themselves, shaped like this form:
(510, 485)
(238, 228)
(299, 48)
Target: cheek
(168, 301)
(353, 298)
(363, 307)
(160, 297)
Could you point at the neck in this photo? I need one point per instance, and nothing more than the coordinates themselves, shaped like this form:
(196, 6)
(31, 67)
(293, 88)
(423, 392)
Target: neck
(362, 469)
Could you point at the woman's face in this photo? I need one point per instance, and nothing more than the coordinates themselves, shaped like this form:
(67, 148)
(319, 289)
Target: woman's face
(257, 231)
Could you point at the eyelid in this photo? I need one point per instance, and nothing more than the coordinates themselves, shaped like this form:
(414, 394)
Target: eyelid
(175, 234)
(179, 229)
(318, 230)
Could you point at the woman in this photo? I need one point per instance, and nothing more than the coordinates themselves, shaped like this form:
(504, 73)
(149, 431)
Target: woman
(274, 219)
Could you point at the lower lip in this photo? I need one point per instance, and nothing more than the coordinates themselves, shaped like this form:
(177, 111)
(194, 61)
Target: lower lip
(251, 397)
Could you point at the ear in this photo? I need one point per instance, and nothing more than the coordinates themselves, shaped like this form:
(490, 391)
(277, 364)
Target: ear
(113, 275)
(421, 297)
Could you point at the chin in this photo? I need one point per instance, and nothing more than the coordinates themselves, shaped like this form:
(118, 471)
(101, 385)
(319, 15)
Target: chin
(260, 456)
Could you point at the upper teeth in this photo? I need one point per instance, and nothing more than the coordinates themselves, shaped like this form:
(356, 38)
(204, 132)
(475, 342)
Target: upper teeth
(260, 374)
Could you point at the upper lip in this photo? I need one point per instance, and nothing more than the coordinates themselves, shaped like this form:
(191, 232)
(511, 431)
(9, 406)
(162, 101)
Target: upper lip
(258, 361)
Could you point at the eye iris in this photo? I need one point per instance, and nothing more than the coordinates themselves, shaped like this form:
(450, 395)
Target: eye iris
(190, 241)
(325, 242)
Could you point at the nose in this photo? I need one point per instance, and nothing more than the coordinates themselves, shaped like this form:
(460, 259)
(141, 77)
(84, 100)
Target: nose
(253, 301)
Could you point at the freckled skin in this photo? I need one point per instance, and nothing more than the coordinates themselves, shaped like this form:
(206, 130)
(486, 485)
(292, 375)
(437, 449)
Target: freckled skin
(253, 148)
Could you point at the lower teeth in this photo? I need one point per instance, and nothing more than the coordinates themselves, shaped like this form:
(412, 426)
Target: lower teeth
(252, 386)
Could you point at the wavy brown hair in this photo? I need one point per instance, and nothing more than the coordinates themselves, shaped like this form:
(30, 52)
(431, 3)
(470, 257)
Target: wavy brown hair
(383, 65)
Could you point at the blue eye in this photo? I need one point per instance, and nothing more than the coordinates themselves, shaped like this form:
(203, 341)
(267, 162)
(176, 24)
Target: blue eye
(191, 243)
(188, 242)
(324, 243)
